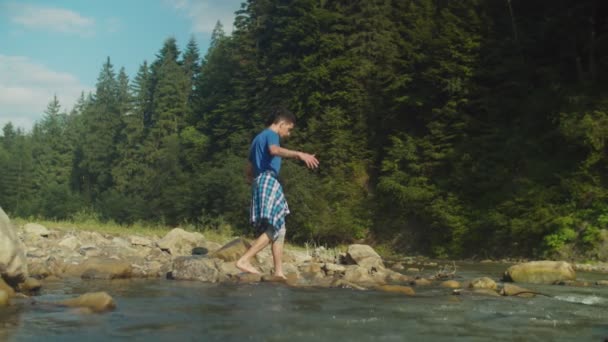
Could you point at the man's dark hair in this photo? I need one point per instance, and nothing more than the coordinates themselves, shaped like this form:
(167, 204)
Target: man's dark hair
(278, 114)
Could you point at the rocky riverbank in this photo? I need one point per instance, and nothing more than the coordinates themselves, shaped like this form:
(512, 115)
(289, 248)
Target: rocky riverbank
(33, 254)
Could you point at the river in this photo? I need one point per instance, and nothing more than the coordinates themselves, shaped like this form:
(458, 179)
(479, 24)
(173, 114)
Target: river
(163, 310)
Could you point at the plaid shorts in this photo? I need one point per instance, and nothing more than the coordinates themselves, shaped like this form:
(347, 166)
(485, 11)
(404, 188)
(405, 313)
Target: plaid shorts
(268, 205)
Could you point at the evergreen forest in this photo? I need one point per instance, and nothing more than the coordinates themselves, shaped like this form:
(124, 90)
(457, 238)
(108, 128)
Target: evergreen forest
(449, 128)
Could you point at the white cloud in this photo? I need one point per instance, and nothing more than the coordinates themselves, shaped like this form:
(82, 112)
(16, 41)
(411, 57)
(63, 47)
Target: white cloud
(26, 87)
(52, 19)
(204, 14)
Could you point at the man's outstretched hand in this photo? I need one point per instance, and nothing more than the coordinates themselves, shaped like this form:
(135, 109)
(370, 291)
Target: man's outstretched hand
(309, 159)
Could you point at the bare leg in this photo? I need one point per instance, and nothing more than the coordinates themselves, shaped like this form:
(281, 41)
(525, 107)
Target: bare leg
(277, 256)
(243, 263)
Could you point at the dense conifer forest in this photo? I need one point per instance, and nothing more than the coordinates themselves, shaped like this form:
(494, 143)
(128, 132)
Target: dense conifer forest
(449, 128)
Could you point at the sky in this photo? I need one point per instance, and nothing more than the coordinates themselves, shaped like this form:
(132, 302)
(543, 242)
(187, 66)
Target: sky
(57, 47)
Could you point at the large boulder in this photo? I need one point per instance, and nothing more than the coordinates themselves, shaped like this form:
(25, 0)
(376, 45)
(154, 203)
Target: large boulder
(4, 301)
(363, 276)
(196, 267)
(101, 268)
(232, 251)
(540, 272)
(96, 302)
(36, 229)
(179, 242)
(13, 265)
(364, 256)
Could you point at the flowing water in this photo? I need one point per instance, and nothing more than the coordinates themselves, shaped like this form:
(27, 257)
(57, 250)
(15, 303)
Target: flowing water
(162, 310)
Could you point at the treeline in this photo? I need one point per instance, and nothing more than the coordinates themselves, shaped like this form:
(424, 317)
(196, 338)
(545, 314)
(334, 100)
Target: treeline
(452, 128)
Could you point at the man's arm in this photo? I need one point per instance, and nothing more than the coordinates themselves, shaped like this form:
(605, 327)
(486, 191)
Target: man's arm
(309, 159)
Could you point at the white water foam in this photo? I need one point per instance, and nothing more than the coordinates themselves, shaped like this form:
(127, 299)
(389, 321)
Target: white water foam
(588, 300)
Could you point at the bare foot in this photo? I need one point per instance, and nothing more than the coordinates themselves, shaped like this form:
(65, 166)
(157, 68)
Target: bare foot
(246, 267)
(280, 275)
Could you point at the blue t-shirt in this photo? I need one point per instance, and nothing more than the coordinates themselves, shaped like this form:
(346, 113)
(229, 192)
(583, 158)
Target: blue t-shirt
(259, 153)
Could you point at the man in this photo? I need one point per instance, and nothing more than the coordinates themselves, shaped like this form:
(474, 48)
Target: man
(268, 205)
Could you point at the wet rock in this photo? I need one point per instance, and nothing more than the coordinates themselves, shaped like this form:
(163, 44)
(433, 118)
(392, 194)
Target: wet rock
(344, 284)
(540, 272)
(96, 302)
(450, 284)
(602, 282)
(575, 283)
(269, 278)
(364, 256)
(4, 299)
(514, 290)
(398, 266)
(394, 277)
(248, 278)
(13, 265)
(406, 290)
(422, 282)
(483, 283)
(6, 288)
(36, 229)
(486, 292)
(101, 268)
(179, 242)
(30, 285)
(232, 251)
(363, 276)
(333, 269)
(199, 268)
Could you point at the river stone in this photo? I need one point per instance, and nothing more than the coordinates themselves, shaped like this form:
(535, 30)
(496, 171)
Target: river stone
(422, 282)
(30, 285)
(179, 242)
(393, 276)
(101, 268)
(248, 278)
(514, 290)
(96, 302)
(4, 287)
(398, 266)
(540, 272)
(483, 283)
(36, 229)
(364, 256)
(406, 290)
(451, 284)
(363, 276)
(486, 292)
(13, 265)
(232, 251)
(196, 267)
(602, 282)
(4, 301)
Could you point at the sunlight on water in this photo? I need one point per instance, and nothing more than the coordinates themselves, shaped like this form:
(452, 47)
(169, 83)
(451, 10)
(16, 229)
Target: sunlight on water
(161, 310)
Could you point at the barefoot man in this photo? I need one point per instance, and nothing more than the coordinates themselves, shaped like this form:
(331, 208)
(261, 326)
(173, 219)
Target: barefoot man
(268, 205)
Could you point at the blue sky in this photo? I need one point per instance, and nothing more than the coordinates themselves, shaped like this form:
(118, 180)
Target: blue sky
(58, 46)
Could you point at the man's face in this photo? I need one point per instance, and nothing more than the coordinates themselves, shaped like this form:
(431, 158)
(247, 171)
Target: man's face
(285, 129)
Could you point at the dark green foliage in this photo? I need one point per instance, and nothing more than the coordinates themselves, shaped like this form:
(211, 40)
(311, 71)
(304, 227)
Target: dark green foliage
(451, 128)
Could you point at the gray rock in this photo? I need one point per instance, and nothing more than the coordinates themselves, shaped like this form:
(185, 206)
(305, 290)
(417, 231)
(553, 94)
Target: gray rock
(36, 229)
(540, 272)
(232, 251)
(200, 268)
(13, 265)
(363, 255)
(179, 242)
